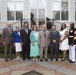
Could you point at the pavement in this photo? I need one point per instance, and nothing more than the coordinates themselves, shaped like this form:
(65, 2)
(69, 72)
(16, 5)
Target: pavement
(15, 67)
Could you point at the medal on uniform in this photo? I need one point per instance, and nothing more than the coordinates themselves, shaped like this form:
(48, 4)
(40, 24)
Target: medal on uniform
(75, 32)
(71, 31)
(75, 36)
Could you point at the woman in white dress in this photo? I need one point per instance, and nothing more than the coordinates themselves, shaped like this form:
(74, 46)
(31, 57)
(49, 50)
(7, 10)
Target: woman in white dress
(17, 42)
(64, 41)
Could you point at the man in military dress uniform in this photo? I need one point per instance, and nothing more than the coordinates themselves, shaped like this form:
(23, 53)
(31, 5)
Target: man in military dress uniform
(72, 31)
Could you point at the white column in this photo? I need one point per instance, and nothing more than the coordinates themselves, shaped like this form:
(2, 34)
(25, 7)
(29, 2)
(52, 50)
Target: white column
(71, 10)
(26, 9)
(26, 12)
(3, 10)
(0, 9)
(48, 10)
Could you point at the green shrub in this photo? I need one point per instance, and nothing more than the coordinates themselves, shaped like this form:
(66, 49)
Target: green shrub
(0, 35)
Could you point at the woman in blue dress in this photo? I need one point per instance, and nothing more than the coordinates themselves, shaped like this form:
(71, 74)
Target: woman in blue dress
(34, 47)
(17, 42)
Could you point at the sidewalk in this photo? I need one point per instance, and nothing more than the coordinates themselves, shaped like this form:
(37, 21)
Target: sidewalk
(40, 68)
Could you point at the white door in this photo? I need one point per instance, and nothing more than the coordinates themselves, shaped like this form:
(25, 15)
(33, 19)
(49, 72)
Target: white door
(37, 11)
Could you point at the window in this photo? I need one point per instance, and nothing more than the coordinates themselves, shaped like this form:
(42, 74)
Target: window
(41, 13)
(19, 15)
(34, 13)
(10, 15)
(64, 11)
(10, 11)
(60, 9)
(56, 15)
(56, 10)
(37, 8)
(19, 10)
(14, 9)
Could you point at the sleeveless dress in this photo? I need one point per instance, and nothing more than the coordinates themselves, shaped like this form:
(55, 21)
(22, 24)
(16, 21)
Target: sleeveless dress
(34, 50)
(64, 45)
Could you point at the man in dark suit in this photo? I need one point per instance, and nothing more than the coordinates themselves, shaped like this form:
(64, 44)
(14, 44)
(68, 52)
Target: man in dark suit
(54, 42)
(25, 40)
(7, 41)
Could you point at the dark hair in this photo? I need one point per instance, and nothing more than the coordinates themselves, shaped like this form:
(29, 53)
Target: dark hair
(72, 25)
(36, 27)
(62, 27)
(53, 25)
(17, 27)
(25, 22)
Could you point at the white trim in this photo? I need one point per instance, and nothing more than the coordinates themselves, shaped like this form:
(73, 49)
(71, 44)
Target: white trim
(14, 9)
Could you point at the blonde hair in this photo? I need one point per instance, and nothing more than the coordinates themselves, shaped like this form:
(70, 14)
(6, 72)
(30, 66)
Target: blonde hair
(36, 28)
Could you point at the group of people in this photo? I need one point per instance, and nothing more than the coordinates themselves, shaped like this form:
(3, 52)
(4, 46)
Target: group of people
(34, 43)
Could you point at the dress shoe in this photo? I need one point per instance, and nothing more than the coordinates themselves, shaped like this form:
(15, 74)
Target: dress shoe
(28, 58)
(33, 58)
(36, 58)
(63, 59)
(41, 59)
(68, 59)
(56, 59)
(17, 58)
(71, 62)
(51, 59)
(11, 58)
(6, 60)
(23, 59)
(46, 59)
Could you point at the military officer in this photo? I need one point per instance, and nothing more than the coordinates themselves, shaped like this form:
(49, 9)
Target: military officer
(72, 34)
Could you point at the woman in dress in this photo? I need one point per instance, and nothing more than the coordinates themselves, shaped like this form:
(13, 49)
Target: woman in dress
(34, 48)
(17, 42)
(64, 40)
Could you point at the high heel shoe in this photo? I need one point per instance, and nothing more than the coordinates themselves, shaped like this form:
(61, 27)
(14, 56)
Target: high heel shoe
(63, 59)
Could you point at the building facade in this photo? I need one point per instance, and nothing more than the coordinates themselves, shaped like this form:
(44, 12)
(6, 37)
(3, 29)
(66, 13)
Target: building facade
(62, 11)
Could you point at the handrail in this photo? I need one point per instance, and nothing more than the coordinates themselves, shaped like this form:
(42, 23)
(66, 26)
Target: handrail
(11, 25)
(29, 19)
(60, 23)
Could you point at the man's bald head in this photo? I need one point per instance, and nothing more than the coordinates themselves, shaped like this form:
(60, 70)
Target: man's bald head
(8, 24)
(43, 27)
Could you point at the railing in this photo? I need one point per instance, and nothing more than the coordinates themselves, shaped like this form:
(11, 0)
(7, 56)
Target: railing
(58, 23)
(11, 25)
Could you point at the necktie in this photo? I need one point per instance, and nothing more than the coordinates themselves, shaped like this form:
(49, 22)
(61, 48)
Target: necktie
(26, 31)
(45, 34)
(54, 32)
